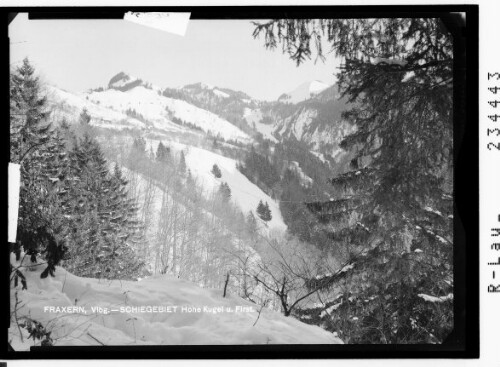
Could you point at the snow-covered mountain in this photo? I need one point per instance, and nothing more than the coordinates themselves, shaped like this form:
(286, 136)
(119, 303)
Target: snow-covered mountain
(200, 111)
(129, 102)
(161, 111)
(316, 121)
(312, 112)
(155, 114)
(304, 92)
(226, 103)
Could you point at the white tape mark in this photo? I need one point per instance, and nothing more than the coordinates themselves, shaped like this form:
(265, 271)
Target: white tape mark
(14, 187)
(168, 22)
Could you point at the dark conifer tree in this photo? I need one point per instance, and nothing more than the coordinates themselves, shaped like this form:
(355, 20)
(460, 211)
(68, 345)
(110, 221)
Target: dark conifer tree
(216, 171)
(395, 208)
(268, 216)
(263, 211)
(260, 209)
(225, 192)
(40, 152)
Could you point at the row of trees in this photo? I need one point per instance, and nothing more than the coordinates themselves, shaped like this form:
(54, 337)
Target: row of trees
(104, 228)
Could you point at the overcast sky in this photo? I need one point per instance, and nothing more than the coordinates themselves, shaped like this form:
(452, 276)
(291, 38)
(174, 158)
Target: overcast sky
(77, 55)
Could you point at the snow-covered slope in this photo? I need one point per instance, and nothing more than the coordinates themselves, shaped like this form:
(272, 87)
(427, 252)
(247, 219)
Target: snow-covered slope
(226, 103)
(197, 316)
(315, 125)
(303, 92)
(254, 119)
(69, 106)
(316, 121)
(160, 110)
(139, 107)
(150, 195)
(298, 123)
(245, 194)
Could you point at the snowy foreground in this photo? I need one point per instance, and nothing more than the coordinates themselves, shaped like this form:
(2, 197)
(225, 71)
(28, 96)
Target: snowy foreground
(154, 311)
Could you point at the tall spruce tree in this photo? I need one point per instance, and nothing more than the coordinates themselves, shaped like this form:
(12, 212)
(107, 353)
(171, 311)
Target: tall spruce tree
(267, 216)
(260, 209)
(39, 149)
(394, 209)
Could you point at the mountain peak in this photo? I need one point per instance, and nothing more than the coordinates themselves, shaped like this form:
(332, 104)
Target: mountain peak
(121, 76)
(304, 91)
(124, 81)
(317, 86)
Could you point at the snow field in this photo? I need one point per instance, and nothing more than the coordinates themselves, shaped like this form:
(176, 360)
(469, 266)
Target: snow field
(211, 318)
